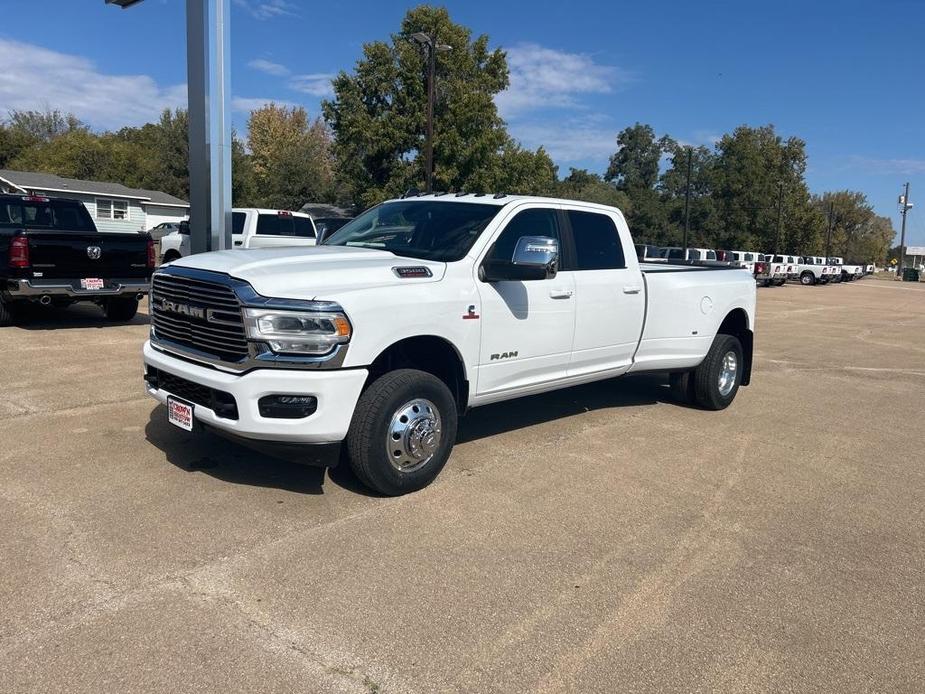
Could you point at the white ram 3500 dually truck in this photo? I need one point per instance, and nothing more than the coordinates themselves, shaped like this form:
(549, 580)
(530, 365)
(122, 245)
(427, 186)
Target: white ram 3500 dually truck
(423, 307)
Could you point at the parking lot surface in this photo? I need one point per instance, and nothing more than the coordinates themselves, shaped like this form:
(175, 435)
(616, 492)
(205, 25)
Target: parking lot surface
(597, 539)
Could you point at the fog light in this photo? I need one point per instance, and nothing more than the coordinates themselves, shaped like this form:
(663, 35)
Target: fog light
(287, 406)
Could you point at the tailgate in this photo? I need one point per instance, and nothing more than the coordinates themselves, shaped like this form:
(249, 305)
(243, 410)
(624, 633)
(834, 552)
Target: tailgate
(70, 255)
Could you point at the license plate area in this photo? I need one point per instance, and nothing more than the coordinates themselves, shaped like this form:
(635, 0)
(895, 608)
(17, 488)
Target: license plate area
(92, 284)
(180, 413)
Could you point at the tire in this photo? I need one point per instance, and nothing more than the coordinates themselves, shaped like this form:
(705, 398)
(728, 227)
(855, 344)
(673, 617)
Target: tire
(807, 279)
(7, 314)
(781, 283)
(713, 391)
(382, 414)
(121, 310)
(170, 256)
(682, 387)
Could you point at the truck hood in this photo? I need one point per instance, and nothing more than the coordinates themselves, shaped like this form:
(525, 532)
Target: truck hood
(313, 272)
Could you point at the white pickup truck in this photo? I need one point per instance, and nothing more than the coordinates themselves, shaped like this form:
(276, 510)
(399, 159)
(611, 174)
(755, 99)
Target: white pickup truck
(849, 273)
(815, 270)
(423, 307)
(251, 228)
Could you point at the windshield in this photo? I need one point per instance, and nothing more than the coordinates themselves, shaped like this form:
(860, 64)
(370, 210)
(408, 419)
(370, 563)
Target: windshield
(426, 229)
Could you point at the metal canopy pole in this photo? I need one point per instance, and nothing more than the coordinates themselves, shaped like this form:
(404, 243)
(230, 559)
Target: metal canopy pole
(209, 91)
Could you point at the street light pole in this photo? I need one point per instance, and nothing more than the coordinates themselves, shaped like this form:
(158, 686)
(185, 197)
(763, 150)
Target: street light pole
(828, 236)
(431, 97)
(209, 98)
(429, 43)
(904, 206)
(687, 199)
(780, 214)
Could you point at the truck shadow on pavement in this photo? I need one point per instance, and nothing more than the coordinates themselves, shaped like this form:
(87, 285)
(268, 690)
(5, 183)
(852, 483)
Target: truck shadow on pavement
(225, 460)
(77, 316)
(626, 391)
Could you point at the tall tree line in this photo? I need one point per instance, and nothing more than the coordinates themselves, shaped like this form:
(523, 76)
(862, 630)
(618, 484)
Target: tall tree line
(747, 191)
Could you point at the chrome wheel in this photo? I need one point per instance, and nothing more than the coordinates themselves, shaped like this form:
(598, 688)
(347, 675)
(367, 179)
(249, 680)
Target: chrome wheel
(414, 435)
(727, 373)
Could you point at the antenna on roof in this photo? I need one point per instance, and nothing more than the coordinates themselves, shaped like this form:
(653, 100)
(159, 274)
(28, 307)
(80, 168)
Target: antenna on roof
(498, 196)
(411, 193)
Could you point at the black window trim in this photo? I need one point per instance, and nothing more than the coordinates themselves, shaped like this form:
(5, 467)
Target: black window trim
(566, 232)
(564, 238)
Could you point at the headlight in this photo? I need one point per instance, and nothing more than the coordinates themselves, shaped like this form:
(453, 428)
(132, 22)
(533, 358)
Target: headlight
(297, 332)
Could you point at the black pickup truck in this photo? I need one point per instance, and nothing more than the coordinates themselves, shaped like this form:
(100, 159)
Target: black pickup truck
(52, 253)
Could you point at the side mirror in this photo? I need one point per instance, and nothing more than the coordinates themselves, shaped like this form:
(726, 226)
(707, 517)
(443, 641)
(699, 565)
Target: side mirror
(184, 227)
(534, 258)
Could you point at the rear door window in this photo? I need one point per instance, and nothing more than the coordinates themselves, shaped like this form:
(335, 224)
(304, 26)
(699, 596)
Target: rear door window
(597, 241)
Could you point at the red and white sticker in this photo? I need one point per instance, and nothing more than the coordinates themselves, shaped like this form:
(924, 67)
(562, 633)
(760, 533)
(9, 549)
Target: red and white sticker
(180, 413)
(93, 283)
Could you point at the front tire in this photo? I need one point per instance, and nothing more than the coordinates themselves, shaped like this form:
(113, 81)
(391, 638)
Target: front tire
(717, 379)
(807, 279)
(402, 432)
(121, 310)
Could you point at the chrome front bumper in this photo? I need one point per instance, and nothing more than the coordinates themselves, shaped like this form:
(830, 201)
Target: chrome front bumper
(28, 289)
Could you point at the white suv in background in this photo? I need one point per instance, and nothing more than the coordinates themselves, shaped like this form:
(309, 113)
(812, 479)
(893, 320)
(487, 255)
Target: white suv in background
(251, 228)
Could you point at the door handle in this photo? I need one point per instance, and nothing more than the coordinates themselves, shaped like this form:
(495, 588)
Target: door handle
(560, 293)
(238, 243)
(632, 289)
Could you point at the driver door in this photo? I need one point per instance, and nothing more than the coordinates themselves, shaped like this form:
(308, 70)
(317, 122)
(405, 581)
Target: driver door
(527, 326)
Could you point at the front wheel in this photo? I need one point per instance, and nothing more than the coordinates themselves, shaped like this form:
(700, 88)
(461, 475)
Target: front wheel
(717, 379)
(121, 310)
(807, 279)
(402, 432)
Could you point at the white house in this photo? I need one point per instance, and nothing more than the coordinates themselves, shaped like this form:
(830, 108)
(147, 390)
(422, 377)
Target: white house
(113, 206)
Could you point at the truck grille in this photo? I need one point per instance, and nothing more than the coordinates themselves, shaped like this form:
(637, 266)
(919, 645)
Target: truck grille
(193, 302)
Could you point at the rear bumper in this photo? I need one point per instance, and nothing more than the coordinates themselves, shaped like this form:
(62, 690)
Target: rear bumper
(28, 289)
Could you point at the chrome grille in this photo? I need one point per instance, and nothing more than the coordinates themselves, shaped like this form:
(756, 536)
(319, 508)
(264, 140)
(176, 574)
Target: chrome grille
(222, 337)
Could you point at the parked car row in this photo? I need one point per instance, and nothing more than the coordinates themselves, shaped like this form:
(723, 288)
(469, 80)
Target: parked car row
(261, 228)
(769, 269)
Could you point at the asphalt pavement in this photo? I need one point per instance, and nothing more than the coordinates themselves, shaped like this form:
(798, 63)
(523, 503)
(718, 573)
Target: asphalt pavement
(597, 539)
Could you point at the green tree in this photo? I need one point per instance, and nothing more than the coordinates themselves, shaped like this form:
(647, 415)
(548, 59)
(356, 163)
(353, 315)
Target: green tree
(753, 166)
(634, 169)
(290, 159)
(378, 117)
(581, 184)
(635, 164)
(704, 223)
(858, 234)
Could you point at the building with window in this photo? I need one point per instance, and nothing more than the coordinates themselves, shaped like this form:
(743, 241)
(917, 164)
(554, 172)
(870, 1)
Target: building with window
(113, 206)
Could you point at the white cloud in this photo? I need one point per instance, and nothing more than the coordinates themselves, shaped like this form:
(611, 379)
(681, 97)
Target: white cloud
(318, 84)
(901, 167)
(38, 78)
(269, 67)
(569, 141)
(244, 104)
(543, 78)
(267, 9)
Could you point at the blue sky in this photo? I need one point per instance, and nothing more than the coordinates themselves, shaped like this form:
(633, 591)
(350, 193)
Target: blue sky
(846, 76)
